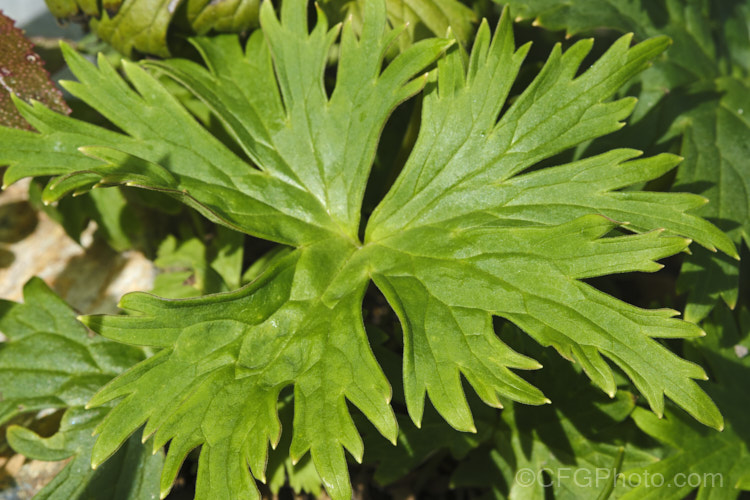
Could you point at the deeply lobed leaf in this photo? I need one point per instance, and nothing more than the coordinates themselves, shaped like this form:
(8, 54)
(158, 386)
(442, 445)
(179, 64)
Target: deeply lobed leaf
(269, 334)
(699, 90)
(468, 232)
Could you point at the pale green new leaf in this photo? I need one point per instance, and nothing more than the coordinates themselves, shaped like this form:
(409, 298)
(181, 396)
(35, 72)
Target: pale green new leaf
(136, 24)
(142, 25)
(421, 17)
(465, 234)
(438, 16)
(227, 16)
(151, 26)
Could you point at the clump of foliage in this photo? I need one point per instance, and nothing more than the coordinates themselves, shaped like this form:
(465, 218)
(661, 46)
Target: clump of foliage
(399, 226)
(143, 26)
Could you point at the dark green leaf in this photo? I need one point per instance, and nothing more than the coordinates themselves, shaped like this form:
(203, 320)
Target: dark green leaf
(49, 360)
(132, 474)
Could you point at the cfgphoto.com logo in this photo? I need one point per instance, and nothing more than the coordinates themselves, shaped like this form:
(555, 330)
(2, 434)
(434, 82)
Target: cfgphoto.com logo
(601, 477)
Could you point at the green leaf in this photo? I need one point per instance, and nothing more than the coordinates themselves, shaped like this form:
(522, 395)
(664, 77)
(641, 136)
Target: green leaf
(142, 25)
(459, 236)
(301, 476)
(193, 267)
(421, 17)
(700, 29)
(149, 26)
(700, 90)
(716, 147)
(575, 449)
(710, 37)
(576, 16)
(49, 360)
(275, 331)
(717, 464)
(168, 151)
(132, 474)
(242, 91)
(473, 228)
(204, 174)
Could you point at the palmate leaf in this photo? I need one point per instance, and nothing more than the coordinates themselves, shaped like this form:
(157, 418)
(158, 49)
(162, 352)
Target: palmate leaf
(163, 148)
(276, 330)
(49, 361)
(464, 235)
